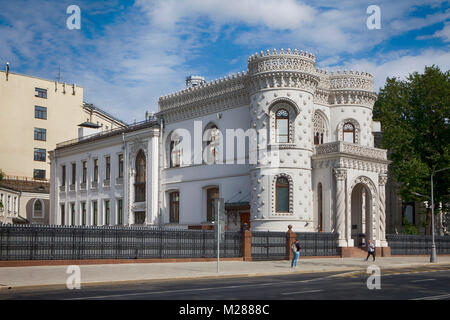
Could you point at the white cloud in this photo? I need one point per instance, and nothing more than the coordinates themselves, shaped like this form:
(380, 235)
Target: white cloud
(443, 34)
(276, 14)
(400, 66)
(124, 65)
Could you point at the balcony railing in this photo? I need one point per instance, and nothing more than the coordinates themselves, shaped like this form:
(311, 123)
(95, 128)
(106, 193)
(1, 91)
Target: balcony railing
(72, 187)
(352, 149)
(107, 133)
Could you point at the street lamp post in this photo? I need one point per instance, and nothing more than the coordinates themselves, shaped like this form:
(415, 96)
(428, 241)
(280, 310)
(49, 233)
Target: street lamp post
(433, 257)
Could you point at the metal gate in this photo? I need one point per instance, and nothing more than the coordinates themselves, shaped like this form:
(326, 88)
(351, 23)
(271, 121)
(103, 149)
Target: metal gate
(269, 246)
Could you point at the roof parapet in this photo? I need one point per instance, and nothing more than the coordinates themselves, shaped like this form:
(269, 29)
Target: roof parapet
(296, 52)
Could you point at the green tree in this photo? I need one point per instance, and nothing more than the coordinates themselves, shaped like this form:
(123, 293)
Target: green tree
(414, 115)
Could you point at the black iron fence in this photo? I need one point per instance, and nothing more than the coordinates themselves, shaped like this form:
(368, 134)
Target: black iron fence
(318, 244)
(417, 244)
(33, 242)
(272, 245)
(269, 246)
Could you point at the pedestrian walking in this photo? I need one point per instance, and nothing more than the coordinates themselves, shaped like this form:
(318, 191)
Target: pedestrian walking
(370, 250)
(295, 253)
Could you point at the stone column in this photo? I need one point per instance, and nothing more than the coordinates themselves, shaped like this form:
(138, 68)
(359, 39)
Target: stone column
(382, 179)
(341, 175)
(363, 211)
(131, 197)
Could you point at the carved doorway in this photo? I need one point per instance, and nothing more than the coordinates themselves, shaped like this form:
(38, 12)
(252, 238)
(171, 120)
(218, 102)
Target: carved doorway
(361, 213)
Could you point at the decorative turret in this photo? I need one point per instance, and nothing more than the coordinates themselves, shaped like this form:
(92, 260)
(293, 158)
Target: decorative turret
(281, 61)
(351, 80)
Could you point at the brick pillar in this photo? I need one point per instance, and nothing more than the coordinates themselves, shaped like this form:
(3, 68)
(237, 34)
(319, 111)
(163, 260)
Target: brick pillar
(386, 251)
(246, 244)
(290, 238)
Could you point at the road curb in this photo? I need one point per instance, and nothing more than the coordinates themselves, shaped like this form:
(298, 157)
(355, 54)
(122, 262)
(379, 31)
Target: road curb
(217, 276)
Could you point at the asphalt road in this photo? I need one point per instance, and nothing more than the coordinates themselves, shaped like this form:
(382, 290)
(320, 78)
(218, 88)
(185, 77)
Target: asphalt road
(427, 283)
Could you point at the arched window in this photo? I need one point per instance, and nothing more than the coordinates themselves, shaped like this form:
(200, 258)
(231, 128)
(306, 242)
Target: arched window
(320, 129)
(348, 132)
(38, 209)
(282, 126)
(175, 152)
(139, 184)
(212, 138)
(282, 195)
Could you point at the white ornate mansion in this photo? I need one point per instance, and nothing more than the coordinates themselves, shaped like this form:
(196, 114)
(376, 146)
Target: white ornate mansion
(283, 143)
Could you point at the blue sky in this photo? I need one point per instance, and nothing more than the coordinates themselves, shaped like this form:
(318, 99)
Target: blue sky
(128, 53)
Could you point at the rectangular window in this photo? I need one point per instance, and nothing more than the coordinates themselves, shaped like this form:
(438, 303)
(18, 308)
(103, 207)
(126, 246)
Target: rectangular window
(83, 213)
(107, 212)
(63, 182)
(72, 212)
(39, 154)
(40, 93)
(63, 214)
(408, 213)
(211, 194)
(283, 130)
(84, 171)
(40, 112)
(94, 213)
(108, 168)
(139, 217)
(120, 211)
(39, 174)
(74, 172)
(95, 170)
(174, 207)
(120, 165)
(40, 134)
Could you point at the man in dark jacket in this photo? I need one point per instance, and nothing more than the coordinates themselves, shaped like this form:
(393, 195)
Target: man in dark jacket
(370, 250)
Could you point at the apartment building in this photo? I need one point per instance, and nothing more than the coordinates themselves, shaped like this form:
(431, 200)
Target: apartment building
(35, 115)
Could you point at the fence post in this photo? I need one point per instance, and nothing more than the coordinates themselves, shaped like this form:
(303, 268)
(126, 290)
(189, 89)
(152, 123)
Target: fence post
(246, 243)
(290, 238)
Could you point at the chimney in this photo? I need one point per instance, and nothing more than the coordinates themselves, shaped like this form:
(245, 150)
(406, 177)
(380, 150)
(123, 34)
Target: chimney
(7, 70)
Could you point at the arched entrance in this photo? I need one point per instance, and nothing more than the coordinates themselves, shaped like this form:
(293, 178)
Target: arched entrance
(361, 213)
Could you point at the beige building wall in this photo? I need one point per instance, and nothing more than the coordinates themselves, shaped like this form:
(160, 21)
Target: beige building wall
(65, 111)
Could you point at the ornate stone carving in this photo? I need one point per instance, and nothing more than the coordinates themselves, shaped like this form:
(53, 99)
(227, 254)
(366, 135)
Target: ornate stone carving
(283, 61)
(382, 179)
(355, 123)
(341, 175)
(320, 126)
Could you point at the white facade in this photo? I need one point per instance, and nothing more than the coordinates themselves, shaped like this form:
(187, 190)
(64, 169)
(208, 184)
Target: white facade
(315, 167)
(9, 204)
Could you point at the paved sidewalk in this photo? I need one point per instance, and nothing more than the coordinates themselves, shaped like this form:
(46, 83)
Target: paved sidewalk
(15, 277)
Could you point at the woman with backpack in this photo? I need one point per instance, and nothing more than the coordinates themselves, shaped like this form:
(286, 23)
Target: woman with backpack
(295, 253)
